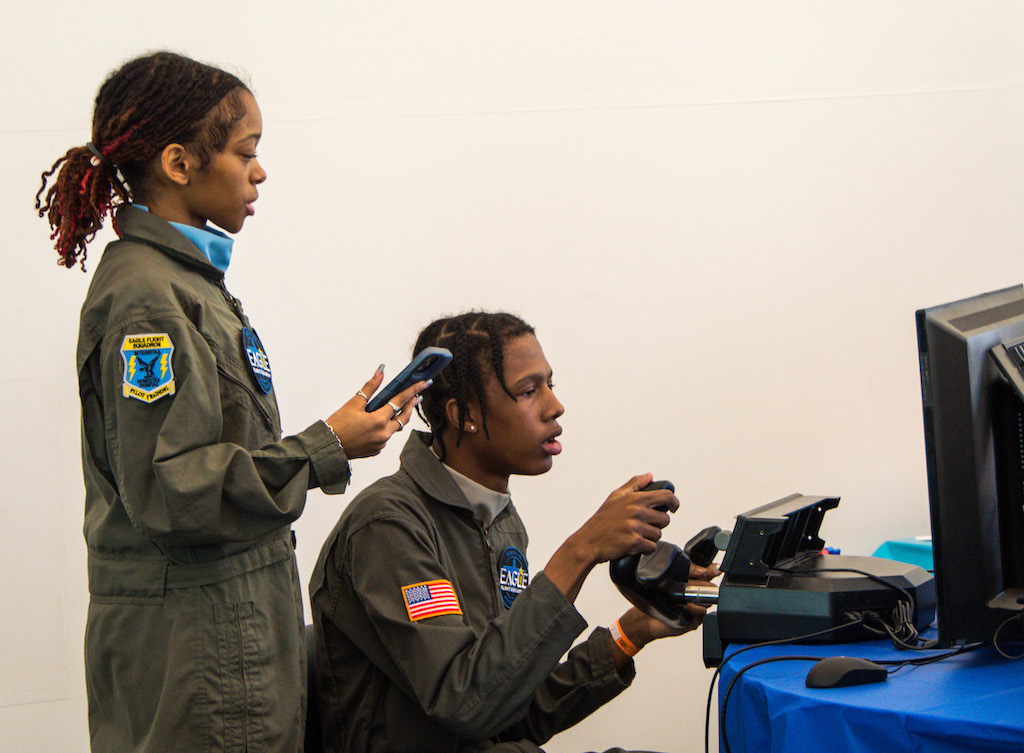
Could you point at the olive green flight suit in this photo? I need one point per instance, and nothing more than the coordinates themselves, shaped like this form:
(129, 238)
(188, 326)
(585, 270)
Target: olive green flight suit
(491, 675)
(194, 630)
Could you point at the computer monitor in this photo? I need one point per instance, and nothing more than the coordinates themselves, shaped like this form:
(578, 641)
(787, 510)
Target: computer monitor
(974, 443)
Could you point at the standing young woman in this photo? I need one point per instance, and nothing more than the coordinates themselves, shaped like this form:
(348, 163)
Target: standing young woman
(194, 632)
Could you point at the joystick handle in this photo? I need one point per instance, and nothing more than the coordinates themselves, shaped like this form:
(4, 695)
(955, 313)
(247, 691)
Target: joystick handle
(702, 548)
(656, 583)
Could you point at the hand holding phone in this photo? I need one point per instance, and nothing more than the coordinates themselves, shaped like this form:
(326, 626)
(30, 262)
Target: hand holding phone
(426, 365)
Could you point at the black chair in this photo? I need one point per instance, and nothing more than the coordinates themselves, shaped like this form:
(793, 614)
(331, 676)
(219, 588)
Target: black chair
(314, 740)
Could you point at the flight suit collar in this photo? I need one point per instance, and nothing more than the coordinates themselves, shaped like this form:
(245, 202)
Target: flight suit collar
(485, 504)
(132, 223)
(423, 465)
(438, 481)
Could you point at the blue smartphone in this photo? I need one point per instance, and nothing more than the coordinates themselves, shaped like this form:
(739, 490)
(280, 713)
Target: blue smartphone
(426, 365)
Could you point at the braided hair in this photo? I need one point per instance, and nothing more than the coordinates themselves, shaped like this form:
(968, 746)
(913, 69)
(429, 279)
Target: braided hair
(477, 340)
(148, 103)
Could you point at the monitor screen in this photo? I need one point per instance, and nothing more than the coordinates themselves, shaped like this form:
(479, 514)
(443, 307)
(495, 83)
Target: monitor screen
(974, 443)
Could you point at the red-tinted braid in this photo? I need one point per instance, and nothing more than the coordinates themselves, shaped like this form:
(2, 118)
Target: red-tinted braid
(76, 203)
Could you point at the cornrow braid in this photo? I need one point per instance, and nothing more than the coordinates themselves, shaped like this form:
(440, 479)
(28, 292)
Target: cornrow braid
(143, 106)
(477, 340)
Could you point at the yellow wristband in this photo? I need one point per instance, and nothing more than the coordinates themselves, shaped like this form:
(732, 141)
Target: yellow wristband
(627, 646)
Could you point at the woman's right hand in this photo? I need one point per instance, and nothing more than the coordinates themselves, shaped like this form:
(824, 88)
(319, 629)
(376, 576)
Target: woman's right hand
(363, 434)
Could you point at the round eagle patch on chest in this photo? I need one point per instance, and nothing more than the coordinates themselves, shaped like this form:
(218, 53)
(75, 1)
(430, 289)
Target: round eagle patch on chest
(259, 364)
(513, 575)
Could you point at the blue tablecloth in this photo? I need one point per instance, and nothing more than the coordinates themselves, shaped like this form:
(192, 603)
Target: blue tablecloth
(972, 703)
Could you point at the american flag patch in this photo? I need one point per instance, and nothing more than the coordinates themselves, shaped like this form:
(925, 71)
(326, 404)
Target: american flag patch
(430, 599)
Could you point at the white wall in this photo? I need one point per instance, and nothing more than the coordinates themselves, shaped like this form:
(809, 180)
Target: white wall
(720, 216)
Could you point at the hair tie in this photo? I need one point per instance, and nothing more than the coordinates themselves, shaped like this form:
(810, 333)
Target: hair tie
(98, 157)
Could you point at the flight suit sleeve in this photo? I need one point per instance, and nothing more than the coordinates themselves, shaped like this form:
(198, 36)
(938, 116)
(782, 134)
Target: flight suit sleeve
(183, 463)
(476, 684)
(580, 685)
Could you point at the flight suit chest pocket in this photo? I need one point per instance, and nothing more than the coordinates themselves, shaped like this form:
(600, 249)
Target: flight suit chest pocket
(250, 415)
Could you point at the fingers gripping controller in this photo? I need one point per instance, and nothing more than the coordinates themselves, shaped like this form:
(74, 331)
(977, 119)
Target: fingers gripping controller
(658, 583)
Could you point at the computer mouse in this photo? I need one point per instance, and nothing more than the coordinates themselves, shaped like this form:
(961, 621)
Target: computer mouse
(843, 671)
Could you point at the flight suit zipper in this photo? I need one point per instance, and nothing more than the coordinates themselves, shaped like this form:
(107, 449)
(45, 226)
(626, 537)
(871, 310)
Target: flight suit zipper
(491, 567)
(236, 307)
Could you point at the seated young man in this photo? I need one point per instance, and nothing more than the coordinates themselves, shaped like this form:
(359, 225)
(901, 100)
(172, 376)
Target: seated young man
(431, 634)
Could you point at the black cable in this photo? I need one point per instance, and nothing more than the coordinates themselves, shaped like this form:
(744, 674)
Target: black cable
(723, 734)
(777, 642)
(995, 638)
(871, 576)
(902, 616)
(898, 664)
(901, 633)
(895, 664)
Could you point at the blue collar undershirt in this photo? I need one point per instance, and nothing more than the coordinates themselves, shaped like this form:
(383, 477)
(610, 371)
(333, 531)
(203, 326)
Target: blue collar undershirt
(215, 245)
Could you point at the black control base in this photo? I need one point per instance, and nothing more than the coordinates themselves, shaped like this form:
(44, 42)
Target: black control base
(787, 605)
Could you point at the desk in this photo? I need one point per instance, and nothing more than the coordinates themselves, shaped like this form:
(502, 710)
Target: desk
(973, 703)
